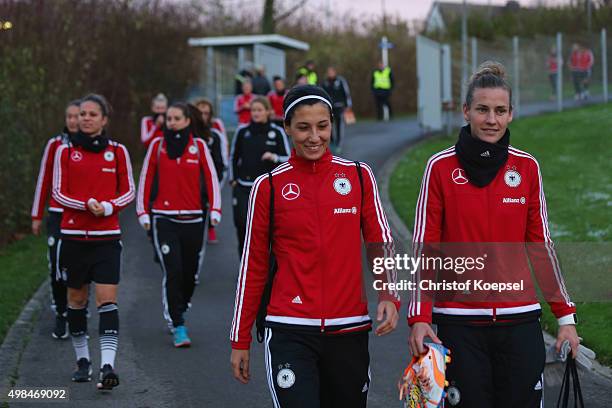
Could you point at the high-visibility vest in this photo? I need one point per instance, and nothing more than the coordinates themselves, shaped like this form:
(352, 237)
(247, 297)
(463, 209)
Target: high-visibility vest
(382, 79)
(311, 76)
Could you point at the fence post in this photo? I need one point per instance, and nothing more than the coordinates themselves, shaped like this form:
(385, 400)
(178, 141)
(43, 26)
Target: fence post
(474, 54)
(516, 79)
(604, 63)
(210, 74)
(559, 72)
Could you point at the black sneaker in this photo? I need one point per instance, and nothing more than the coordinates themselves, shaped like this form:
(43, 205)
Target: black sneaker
(60, 331)
(83, 371)
(108, 378)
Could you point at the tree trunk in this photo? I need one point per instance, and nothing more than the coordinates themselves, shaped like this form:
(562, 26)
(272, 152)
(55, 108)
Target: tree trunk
(268, 25)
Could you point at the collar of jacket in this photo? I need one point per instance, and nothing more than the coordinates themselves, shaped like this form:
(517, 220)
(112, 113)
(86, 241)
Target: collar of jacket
(311, 166)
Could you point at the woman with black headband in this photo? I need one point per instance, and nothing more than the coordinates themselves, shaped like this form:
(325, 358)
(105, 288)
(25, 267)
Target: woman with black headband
(480, 191)
(54, 217)
(257, 148)
(301, 270)
(92, 180)
(176, 170)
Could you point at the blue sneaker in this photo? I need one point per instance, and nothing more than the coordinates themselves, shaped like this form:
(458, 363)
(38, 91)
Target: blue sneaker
(181, 339)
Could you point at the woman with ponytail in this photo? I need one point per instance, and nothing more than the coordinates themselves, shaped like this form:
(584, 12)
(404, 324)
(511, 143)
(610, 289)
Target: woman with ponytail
(92, 180)
(177, 170)
(487, 194)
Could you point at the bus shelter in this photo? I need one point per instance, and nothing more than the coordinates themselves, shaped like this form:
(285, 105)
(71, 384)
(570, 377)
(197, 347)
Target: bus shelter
(224, 57)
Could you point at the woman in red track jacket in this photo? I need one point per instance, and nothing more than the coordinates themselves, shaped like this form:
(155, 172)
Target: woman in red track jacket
(93, 182)
(54, 217)
(169, 202)
(152, 126)
(482, 190)
(317, 323)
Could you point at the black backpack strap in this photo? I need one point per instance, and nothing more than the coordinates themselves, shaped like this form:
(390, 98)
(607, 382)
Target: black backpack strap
(360, 174)
(272, 267)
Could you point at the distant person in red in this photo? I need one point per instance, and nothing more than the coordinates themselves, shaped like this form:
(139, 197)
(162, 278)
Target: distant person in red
(54, 216)
(277, 97)
(553, 70)
(152, 126)
(585, 63)
(242, 103)
(580, 63)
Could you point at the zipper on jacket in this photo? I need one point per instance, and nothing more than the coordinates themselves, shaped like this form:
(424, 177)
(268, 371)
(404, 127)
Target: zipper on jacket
(316, 190)
(494, 314)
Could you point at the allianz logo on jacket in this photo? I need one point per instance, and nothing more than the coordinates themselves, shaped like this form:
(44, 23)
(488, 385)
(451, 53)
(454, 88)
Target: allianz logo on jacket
(508, 200)
(352, 210)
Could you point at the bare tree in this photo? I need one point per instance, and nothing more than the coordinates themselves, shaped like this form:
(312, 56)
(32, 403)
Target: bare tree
(273, 15)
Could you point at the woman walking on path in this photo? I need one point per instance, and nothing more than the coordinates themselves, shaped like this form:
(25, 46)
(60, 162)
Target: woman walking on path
(257, 148)
(301, 268)
(152, 126)
(54, 217)
(177, 169)
(217, 137)
(93, 182)
(483, 190)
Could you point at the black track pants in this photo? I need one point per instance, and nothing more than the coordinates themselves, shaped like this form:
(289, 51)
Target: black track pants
(338, 127)
(178, 244)
(494, 366)
(309, 370)
(382, 98)
(58, 286)
(240, 203)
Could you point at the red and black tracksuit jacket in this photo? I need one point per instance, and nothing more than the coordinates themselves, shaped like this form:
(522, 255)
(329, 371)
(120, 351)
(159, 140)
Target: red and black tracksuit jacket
(511, 212)
(149, 131)
(276, 101)
(80, 175)
(45, 179)
(320, 214)
(244, 113)
(178, 181)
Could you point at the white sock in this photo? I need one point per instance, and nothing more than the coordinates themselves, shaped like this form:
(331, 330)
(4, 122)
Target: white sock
(108, 349)
(81, 347)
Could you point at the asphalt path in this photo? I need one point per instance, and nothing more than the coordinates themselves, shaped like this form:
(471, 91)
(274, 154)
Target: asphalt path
(155, 374)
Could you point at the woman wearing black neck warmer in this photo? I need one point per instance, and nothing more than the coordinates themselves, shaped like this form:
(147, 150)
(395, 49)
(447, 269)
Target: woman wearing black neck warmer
(177, 169)
(483, 192)
(54, 217)
(257, 148)
(92, 180)
(301, 274)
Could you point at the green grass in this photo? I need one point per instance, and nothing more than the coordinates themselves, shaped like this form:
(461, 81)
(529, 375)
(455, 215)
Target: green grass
(574, 150)
(23, 266)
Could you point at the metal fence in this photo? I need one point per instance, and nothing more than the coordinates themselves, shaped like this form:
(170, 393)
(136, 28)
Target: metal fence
(528, 68)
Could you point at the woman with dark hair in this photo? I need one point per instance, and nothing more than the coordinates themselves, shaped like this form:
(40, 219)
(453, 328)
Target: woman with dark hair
(208, 115)
(483, 190)
(93, 181)
(214, 140)
(54, 217)
(301, 270)
(176, 171)
(257, 148)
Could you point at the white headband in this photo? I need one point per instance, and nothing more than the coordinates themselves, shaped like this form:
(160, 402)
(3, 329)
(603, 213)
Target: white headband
(298, 100)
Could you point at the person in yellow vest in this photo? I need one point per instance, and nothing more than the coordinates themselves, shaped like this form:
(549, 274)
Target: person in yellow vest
(382, 85)
(308, 70)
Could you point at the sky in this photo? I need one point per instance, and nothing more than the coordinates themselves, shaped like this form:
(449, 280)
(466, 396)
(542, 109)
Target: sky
(407, 9)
